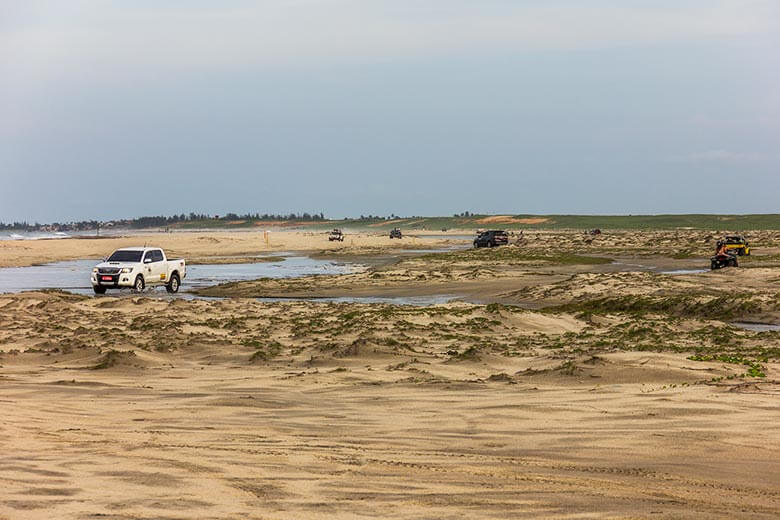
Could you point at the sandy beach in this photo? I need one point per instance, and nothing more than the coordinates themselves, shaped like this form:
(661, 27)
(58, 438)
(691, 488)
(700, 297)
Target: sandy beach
(422, 260)
(583, 387)
(207, 247)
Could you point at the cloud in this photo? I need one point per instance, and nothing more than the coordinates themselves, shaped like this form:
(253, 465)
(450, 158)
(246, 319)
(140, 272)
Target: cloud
(239, 33)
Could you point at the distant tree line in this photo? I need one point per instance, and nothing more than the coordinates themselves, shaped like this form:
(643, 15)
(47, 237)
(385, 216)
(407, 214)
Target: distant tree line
(83, 225)
(371, 217)
(19, 226)
(158, 221)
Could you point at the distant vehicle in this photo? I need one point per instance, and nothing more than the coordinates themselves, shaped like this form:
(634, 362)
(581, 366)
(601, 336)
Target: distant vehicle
(336, 235)
(395, 233)
(724, 260)
(737, 244)
(724, 257)
(138, 268)
(595, 231)
(491, 238)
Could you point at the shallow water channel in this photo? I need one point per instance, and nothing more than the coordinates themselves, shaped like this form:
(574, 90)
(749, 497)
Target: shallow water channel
(74, 276)
(684, 271)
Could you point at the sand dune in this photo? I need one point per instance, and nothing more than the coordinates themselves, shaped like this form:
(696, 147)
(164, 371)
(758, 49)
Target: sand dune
(296, 410)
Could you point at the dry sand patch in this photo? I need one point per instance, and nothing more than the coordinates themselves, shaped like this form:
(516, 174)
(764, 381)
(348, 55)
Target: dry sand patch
(201, 245)
(218, 440)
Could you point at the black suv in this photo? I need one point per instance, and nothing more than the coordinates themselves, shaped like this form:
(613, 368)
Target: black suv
(491, 239)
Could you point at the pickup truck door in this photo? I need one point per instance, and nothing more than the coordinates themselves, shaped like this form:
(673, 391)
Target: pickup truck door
(147, 268)
(159, 267)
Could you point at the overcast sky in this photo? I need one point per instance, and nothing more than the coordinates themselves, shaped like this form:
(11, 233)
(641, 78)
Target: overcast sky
(113, 109)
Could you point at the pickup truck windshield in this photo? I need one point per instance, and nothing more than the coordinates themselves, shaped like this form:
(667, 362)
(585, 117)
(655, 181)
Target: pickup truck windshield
(125, 256)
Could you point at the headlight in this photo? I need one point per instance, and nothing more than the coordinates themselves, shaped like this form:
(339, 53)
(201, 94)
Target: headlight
(127, 269)
(94, 270)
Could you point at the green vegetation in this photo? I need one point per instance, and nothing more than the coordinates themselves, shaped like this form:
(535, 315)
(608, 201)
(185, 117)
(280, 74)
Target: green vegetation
(264, 352)
(754, 368)
(412, 339)
(470, 354)
(582, 222)
(726, 308)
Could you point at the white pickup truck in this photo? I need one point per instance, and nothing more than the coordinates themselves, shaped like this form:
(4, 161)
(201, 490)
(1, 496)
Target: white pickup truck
(137, 268)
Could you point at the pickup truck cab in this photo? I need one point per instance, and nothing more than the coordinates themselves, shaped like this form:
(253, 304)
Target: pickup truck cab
(138, 268)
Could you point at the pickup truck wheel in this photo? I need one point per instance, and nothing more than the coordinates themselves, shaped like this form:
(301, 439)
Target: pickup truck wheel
(139, 284)
(98, 289)
(173, 285)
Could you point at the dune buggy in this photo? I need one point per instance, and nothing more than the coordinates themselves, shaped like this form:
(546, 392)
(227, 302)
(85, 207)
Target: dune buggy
(737, 244)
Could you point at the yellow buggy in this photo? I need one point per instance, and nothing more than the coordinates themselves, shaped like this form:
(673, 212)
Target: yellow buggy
(737, 244)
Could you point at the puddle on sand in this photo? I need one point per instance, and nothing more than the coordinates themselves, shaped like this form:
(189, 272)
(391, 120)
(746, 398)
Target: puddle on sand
(756, 327)
(436, 250)
(684, 271)
(444, 237)
(641, 266)
(74, 276)
(70, 276)
(199, 276)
